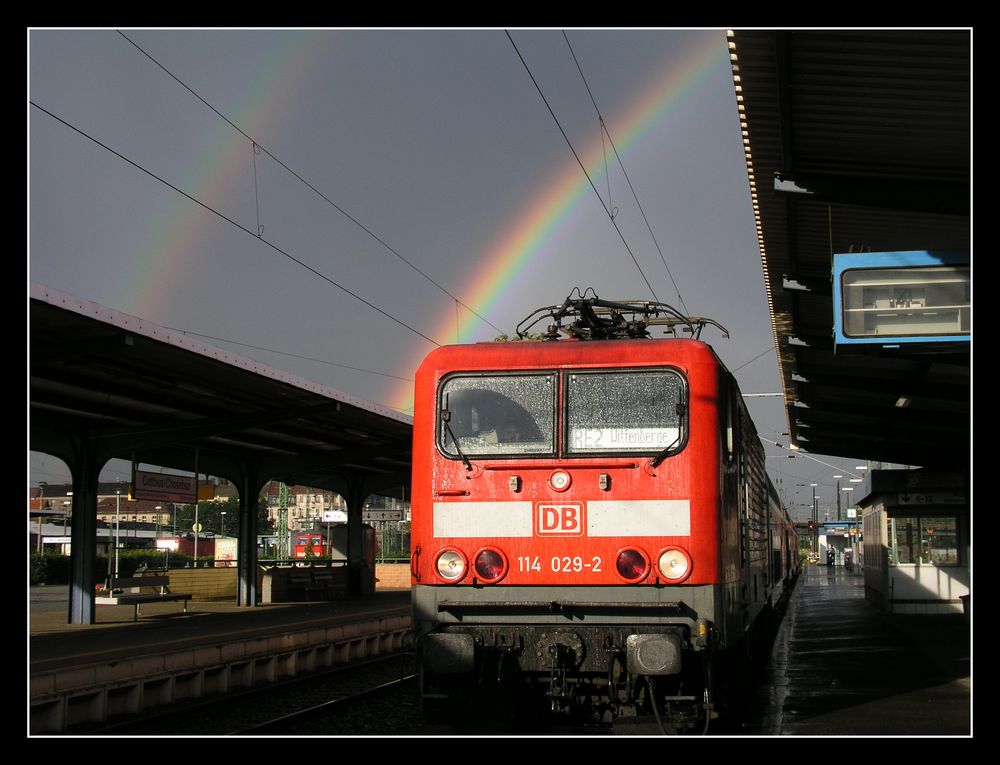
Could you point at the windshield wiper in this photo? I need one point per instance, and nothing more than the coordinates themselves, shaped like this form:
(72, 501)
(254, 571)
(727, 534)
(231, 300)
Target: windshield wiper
(663, 454)
(445, 417)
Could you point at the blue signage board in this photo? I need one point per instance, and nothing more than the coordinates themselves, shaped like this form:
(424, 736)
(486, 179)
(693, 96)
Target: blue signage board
(895, 298)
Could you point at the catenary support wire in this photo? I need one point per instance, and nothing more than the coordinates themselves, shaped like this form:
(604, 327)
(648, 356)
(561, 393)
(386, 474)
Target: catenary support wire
(582, 166)
(229, 220)
(316, 191)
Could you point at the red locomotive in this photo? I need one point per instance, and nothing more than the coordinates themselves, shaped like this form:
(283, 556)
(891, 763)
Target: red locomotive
(593, 531)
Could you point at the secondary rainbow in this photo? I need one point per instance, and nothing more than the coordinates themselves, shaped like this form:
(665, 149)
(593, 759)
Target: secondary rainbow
(172, 247)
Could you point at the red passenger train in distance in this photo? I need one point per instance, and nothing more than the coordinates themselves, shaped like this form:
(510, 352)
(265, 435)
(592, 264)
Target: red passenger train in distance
(593, 532)
(309, 545)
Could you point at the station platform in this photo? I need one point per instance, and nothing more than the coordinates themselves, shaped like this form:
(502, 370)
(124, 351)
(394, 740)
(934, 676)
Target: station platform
(841, 667)
(82, 673)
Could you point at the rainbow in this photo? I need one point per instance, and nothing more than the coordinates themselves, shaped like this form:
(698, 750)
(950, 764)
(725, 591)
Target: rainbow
(544, 215)
(172, 248)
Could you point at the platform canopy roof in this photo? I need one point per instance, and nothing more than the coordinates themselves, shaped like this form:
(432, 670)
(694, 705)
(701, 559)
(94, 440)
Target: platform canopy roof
(858, 141)
(139, 390)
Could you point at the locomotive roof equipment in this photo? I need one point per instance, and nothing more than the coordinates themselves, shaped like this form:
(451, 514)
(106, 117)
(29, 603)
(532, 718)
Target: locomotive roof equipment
(597, 319)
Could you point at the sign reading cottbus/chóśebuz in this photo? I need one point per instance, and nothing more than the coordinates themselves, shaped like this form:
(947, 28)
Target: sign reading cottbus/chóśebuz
(164, 487)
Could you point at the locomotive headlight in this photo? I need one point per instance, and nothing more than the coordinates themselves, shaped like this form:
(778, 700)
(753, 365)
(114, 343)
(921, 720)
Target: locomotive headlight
(490, 565)
(632, 565)
(560, 480)
(674, 564)
(451, 565)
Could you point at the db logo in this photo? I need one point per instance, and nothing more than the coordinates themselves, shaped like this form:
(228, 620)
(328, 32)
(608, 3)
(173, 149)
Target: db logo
(562, 518)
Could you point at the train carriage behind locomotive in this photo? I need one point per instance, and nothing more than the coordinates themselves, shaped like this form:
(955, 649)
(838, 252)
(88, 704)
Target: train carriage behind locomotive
(592, 526)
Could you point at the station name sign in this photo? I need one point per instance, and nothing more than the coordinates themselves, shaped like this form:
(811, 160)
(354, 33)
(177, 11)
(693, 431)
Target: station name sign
(165, 487)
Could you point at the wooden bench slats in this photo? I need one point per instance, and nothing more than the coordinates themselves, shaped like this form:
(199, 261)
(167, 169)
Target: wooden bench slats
(136, 598)
(313, 580)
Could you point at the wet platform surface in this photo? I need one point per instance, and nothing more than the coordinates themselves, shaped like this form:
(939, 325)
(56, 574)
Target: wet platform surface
(839, 666)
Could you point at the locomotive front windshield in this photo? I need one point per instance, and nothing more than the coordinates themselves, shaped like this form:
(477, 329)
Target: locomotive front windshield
(605, 412)
(624, 412)
(497, 415)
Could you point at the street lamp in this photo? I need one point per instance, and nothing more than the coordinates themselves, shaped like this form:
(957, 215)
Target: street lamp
(158, 508)
(70, 509)
(118, 507)
(223, 514)
(854, 541)
(838, 477)
(42, 485)
(863, 469)
(815, 539)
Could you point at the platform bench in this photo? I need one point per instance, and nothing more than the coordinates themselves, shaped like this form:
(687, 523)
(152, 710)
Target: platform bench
(135, 598)
(311, 581)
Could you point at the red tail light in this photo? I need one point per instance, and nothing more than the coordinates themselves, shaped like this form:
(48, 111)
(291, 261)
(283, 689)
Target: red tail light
(632, 564)
(490, 565)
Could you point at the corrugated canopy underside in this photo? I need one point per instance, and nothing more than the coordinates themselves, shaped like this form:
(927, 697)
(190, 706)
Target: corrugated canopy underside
(141, 390)
(867, 136)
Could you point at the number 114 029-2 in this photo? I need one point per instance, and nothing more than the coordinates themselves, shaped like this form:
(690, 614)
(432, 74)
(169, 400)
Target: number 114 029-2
(560, 564)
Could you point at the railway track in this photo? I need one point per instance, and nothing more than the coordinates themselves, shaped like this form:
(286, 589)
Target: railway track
(265, 709)
(372, 698)
(329, 716)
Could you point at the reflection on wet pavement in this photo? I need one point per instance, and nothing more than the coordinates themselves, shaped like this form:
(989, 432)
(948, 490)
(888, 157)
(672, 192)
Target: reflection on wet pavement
(841, 667)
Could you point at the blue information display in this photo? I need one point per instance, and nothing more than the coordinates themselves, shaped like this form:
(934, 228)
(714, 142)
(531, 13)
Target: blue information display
(895, 298)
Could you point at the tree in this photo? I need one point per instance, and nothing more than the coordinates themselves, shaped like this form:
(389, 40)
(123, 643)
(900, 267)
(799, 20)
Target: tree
(210, 517)
(264, 524)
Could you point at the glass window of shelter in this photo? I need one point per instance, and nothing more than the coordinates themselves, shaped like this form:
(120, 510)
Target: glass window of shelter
(923, 540)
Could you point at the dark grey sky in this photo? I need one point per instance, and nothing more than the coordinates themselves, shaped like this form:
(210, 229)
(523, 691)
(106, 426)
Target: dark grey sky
(440, 145)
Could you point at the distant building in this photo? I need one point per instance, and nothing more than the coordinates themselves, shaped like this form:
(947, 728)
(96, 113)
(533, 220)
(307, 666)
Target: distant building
(307, 507)
(225, 491)
(134, 511)
(113, 501)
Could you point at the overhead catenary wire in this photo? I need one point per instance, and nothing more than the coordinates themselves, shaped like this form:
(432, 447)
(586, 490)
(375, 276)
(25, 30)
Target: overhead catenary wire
(229, 220)
(766, 351)
(604, 128)
(290, 355)
(806, 455)
(257, 146)
(582, 166)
